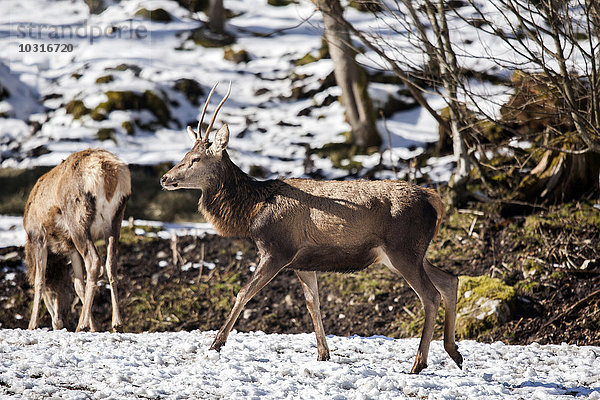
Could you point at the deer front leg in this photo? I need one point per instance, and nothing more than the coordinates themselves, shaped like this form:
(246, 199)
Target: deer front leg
(308, 279)
(265, 272)
(40, 258)
(111, 264)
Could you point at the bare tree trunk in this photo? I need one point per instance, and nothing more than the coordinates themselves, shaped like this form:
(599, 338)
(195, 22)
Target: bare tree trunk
(349, 77)
(449, 73)
(216, 16)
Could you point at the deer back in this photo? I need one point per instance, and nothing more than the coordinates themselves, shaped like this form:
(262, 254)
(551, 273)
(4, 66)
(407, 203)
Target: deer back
(82, 193)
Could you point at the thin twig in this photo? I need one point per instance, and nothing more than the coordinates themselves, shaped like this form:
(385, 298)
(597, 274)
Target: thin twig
(201, 260)
(389, 135)
(276, 31)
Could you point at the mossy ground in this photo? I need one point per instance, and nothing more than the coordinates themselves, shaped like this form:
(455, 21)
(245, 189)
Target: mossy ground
(484, 303)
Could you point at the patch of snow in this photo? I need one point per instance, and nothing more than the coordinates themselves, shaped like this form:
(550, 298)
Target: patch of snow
(175, 365)
(12, 232)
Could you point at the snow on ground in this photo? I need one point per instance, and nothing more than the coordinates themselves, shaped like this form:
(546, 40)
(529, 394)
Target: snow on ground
(12, 232)
(177, 365)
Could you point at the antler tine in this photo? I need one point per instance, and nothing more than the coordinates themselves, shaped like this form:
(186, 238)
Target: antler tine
(199, 134)
(214, 117)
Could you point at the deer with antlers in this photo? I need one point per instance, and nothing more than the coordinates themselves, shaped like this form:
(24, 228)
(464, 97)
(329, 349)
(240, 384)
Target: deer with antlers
(80, 200)
(309, 226)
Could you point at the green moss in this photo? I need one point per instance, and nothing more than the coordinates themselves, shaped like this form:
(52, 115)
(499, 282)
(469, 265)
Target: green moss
(483, 304)
(128, 127)
(236, 56)
(190, 88)
(158, 14)
(157, 106)
(491, 131)
(98, 114)
(76, 108)
(365, 5)
(105, 79)
(527, 286)
(532, 267)
(127, 67)
(307, 59)
(106, 134)
(129, 100)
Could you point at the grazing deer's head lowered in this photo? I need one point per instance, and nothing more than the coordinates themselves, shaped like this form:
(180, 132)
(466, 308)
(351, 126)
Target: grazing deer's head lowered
(80, 200)
(310, 226)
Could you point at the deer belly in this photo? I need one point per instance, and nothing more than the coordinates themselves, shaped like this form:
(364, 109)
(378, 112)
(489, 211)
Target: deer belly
(333, 258)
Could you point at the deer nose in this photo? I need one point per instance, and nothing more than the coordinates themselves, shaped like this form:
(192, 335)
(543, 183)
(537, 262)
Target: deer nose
(163, 180)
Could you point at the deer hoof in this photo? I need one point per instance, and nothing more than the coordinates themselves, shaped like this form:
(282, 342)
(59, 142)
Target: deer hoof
(216, 346)
(458, 359)
(117, 328)
(323, 357)
(418, 367)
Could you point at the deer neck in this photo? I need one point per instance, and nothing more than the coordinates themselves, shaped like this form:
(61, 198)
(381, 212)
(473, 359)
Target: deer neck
(232, 204)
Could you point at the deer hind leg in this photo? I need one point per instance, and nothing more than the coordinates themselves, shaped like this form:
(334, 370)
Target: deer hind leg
(79, 283)
(265, 272)
(78, 280)
(112, 240)
(414, 273)
(308, 279)
(93, 268)
(447, 285)
(39, 257)
(52, 304)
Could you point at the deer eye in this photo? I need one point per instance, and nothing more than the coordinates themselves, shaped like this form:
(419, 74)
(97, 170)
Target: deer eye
(196, 159)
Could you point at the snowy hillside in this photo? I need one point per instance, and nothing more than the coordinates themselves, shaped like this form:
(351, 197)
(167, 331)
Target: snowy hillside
(43, 364)
(271, 112)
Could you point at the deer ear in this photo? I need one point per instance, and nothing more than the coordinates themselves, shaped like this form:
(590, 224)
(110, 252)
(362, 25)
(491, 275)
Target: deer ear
(221, 140)
(192, 135)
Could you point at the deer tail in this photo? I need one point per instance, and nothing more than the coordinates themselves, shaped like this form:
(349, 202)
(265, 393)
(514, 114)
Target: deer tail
(436, 201)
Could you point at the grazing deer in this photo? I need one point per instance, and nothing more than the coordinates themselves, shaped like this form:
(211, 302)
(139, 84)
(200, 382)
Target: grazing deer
(80, 200)
(308, 226)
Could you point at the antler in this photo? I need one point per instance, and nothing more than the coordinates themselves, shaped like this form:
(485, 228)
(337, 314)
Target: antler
(199, 135)
(214, 117)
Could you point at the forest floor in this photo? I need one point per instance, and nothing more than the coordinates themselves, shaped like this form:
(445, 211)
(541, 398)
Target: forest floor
(550, 256)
